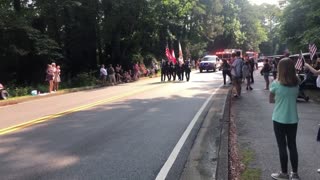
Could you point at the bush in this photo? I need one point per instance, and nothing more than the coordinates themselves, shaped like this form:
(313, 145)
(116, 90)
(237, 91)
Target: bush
(19, 91)
(84, 79)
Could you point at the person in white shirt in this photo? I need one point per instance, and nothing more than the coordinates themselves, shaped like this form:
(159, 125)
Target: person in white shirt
(103, 74)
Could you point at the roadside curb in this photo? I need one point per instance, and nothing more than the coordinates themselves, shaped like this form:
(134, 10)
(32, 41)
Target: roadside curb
(61, 92)
(30, 98)
(223, 155)
(208, 158)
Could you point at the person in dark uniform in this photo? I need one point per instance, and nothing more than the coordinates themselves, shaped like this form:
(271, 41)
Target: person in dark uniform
(187, 69)
(181, 70)
(164, 70)
(168, 71)
(172, 70)
(178, 71)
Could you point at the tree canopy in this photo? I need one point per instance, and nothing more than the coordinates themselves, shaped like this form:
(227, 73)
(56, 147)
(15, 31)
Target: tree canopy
(81, 34)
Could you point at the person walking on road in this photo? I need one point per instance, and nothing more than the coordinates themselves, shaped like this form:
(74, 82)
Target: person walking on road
(187, 68)
(236, 72)
(226, 71)
(284, 92)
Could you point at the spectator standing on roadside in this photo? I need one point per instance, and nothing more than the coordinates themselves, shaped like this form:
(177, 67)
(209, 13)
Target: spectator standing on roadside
(284, 92)
(265, 72)
(316, 72)
(103, 74)
(57, 79)
(112, 77)
(236, 72)
(50, 77)
(252, 64)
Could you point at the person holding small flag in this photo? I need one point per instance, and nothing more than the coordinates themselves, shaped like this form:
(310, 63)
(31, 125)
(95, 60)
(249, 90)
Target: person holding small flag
(283, 93)
(316, 72)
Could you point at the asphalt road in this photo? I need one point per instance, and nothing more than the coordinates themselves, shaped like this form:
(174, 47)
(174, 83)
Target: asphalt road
(121, 132)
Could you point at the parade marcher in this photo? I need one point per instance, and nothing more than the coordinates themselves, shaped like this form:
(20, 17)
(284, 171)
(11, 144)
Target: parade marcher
(172, 70)
(236, 72)
(178, 70)
(265, 72)
(246, 73)
(187, 69)
(181, 67)
(164, 69)
(226, 71)
(284, 92)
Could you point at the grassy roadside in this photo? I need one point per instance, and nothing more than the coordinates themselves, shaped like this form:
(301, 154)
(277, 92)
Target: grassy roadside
(247, 156)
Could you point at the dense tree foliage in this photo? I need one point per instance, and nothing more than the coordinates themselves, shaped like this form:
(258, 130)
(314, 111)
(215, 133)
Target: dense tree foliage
(300, 24)
(81, 34)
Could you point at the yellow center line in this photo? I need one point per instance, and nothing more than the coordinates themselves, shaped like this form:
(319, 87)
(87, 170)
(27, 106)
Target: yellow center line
(72, 110)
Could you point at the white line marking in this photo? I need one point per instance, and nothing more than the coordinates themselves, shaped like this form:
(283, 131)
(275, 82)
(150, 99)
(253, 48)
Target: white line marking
(173, 156)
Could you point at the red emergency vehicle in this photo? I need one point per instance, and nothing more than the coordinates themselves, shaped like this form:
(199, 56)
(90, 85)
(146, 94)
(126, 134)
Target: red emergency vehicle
(252, 54)
(227, 53)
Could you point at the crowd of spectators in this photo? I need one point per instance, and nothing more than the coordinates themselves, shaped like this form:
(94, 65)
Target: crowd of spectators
(116, 74)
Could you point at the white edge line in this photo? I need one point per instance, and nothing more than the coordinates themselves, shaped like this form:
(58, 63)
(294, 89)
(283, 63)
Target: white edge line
(174, 154)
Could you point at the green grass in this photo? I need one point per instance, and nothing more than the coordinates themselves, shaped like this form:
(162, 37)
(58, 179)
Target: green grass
(249, 173)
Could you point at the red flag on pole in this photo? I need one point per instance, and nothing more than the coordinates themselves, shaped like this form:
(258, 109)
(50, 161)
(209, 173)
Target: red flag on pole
(168, 54)
(173, 57)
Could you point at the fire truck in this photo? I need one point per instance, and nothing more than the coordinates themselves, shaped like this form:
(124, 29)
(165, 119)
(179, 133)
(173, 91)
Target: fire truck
(252, 54)
(227, 53)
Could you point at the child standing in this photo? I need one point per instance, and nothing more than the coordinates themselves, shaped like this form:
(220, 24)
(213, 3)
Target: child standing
(284, 92)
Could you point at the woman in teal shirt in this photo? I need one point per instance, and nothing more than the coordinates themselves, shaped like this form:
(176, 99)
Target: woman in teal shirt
(284, 92)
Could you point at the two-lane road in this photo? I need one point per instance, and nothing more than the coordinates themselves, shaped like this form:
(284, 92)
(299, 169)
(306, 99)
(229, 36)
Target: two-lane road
(121, 132)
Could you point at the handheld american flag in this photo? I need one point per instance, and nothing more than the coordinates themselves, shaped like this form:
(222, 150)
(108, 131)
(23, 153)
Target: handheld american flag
(299, 63)
(312, 50)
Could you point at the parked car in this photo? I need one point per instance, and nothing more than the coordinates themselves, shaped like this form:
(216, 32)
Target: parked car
(209, 62)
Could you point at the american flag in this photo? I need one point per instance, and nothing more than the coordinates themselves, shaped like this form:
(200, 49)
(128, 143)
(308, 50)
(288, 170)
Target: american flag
(299, 63)
(312, 50)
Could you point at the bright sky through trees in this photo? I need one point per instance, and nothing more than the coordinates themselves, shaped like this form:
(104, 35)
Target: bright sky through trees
(258, 2)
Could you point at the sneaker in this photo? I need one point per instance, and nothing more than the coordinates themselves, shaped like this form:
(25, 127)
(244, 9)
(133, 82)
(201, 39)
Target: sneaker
(294, 176)
(280, 176)
(250, 88)
(318, 170)
(235, 95)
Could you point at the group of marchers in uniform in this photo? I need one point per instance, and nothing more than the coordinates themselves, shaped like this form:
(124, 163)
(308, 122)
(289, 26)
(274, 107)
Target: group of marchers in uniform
(172, 71)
